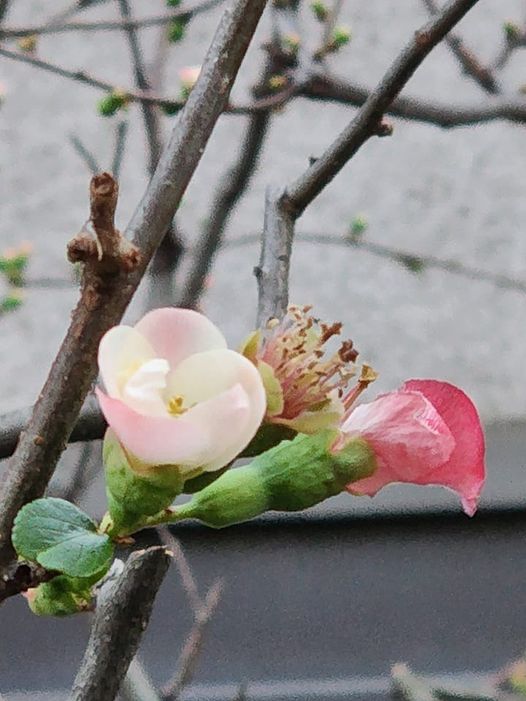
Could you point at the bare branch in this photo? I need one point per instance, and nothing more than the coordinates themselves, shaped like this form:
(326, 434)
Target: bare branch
(118, 626)
(58, 27)
(185, 572)
(231, 188)
(90, 426)
(272, 272)
(471, 65)
(21, 576)
(193, 644)
(101, 307)
(121, 134)
(85, 154)
(137, 685)
(445, 115)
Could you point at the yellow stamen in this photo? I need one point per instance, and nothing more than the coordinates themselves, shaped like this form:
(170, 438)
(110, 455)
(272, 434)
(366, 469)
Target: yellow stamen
(175, 405)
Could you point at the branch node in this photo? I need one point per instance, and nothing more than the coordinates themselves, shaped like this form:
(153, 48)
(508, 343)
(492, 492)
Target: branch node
(106, 251)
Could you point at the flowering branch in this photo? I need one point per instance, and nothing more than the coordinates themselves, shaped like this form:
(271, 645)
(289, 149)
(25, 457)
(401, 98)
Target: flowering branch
(284, 207)
(118, 626)
(74, 369)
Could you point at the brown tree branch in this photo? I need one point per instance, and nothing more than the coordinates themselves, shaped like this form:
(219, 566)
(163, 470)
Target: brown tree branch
(445, 115)
(75, 367)
(21, 576)
(118, 626)
(59, 27)
(470, 63)
(90, 426)
(285, 206)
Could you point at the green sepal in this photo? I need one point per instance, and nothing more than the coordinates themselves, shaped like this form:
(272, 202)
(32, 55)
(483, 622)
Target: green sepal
(62, 596)
(60, 537)
(132, 497)
(294, 475)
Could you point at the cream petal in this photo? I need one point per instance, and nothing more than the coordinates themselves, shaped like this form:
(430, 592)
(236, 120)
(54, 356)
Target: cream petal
(176, 334)
(204, 375)
(193, 440)
(122, 351)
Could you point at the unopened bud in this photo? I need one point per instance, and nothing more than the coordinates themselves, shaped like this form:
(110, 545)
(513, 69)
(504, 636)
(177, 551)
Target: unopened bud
(290, 477)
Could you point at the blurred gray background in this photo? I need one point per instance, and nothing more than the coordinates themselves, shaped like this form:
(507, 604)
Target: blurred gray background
(446, 594)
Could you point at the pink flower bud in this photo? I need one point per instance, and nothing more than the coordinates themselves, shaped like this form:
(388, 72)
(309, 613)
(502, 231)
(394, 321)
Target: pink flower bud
(427, 432)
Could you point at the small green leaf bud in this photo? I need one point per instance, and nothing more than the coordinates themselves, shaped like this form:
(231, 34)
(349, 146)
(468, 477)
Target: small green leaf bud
(176, 30)
(512, 32)
(358, 228)
(340, 37)
(12, 301)
(173, 3)
(320, 10)
(112, 103)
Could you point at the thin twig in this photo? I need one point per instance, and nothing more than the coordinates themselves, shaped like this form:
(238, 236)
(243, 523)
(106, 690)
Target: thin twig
(118, 626)
(272, 272)
(321, 87)
(75, 367)
(121, 134)
(471, 64)
(137, 685)
(408, 259)
(446, 115)
(185, 572)
(193, 644)
(85, 154)
(59, 26)
(90, 426)
(232, 186)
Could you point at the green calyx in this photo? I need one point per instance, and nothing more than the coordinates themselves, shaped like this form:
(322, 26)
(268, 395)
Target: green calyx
(294, 475)
(133, 497)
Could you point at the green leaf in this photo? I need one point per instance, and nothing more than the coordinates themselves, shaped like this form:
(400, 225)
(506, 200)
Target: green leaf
(60, 537)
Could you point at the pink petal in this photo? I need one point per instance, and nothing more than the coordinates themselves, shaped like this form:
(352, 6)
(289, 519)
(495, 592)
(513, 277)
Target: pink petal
(194, 439)
(464, 472)
(177, 333)
(408, 436)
